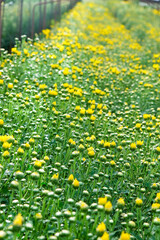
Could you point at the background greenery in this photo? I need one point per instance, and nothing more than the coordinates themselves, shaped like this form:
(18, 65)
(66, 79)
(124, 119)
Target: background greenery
(11, 19)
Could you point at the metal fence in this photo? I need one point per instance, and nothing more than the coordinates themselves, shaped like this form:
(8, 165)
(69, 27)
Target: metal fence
(151, 3)
(19, 17)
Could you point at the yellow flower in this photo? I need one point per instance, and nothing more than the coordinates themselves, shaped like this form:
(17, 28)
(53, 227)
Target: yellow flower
(25, 51)
(155, 206)
(46, 158)
(20, 150)
(68, 116)
(93, 118)
(92, 138)
(77, 108)
(158, 197)
(42, 86)
(65, 85)
(112, 163)
(6, 154)
(52, 93)
(27, 145)
(37, 97)
(81, 147)
(105, 236)
(19, 95)
(90, 111)
(71, 141)
(125, 236)
(72, 124)
(154, 185)
(139, 143)
(108, 207)
(119, 148)
(1, 82)
(6, 145)
(37, 164)
(46, 32)
(75, 183)
(38, 216)
(113, 144)
(1, 122)
(93, 106)
(70, 178)
(101, 227)
(139, 202)
(54, 66)
(31, 141)
(121, 202)
(107, 144)
(138, 125)
(158, 149)
(91, 153)
(146, 116)
(55, 177)
(99, 106)
(82, 111)
(10, 85)
(83, 206)
(102, 201)
(133, 146)
(18, 220)
(66, 71)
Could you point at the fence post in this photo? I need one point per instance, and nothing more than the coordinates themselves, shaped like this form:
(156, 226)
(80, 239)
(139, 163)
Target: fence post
(59, 10)
(52, 11)
(30, 18)
(21, 19)
(44, 15)
(40, 16)
(73, 3)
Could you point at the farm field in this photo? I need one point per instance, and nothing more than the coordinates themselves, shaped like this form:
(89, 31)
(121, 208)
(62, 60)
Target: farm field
(80, 129)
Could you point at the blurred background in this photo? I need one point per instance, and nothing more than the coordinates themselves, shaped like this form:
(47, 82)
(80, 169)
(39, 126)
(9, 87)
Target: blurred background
(27, 17)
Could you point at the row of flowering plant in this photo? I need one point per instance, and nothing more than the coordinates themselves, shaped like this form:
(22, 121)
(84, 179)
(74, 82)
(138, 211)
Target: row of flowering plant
(79, 133)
